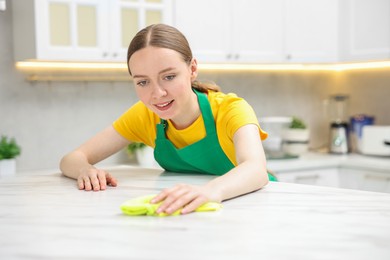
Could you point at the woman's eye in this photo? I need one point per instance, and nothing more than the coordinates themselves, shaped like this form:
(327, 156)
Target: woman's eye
(141, 83)
(170, 77)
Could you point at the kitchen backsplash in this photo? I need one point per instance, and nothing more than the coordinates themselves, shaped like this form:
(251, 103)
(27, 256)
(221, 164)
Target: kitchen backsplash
(49, 119)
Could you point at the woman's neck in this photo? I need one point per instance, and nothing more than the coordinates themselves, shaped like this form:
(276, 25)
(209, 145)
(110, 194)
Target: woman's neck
(189, 116)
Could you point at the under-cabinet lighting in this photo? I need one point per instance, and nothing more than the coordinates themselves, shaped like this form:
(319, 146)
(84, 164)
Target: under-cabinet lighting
(58, 65)
(297, 67)
(116, 66)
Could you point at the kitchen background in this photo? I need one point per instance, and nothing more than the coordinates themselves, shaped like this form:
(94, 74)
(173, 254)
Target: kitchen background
(50, 118)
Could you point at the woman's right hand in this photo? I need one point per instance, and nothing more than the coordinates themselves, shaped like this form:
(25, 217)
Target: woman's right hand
(95, 179)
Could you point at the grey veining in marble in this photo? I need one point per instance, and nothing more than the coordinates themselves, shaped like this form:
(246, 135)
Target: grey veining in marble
(44, 216)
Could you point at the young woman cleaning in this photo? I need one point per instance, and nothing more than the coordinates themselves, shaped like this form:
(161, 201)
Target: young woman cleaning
(193, 128)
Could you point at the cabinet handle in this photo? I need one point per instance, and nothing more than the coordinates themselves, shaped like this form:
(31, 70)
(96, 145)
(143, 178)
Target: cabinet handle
(377, 177)
(105, 54)
(229, 56)
(237, 56)
(288, 57)
(114, 54)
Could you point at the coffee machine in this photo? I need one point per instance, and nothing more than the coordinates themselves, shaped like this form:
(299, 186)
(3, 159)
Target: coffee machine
(339, 128)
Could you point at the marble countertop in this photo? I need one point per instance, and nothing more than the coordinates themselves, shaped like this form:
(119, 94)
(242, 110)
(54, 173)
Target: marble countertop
(325, 160)
(45, 216)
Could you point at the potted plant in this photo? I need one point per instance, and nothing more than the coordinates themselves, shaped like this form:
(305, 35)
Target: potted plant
(9, 150)
(143, 153)
(296, 137)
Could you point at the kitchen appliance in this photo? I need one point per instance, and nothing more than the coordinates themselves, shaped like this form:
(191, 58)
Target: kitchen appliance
(337, 111)
(375, 140)
(339, 138)
(357, 123)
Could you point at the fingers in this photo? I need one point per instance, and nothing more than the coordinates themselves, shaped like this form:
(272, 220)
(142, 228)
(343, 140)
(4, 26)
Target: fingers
(95, 179)
(111, 180)
(185, 197)
(196, 203)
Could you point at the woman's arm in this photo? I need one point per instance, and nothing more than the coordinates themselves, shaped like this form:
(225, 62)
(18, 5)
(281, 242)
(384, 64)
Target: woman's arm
(78, 164)
(249, 175)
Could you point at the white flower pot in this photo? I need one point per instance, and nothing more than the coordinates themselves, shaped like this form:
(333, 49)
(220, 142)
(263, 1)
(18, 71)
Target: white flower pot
(145, 157)
(295, 141)
(7, 167)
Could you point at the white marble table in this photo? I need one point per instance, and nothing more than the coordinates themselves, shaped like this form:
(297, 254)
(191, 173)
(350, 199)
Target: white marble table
(44, 216)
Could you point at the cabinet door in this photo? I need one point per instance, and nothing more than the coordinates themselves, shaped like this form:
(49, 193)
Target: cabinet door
(82, 30)
(70, 29)
(206, 25)
(311, 31)
(321, 177)
(257, 27)
(127, 17)
(365, 180)
(365, 29)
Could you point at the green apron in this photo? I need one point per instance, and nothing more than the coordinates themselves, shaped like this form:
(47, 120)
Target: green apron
(204, 156)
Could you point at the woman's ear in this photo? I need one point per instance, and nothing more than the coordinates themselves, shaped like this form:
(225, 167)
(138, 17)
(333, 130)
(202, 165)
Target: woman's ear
(194, 69)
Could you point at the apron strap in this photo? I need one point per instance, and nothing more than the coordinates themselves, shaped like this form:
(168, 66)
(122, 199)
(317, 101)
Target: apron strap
(207, 113)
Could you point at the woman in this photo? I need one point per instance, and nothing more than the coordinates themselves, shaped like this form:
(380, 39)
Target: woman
(192, 126)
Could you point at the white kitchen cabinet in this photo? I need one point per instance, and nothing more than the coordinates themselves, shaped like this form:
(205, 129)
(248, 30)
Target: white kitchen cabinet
(57, 30)
(364, 30)
(127, 17)
(81, 30)
(206, 26)
(310, 31)
(365, 179)
(321, 177)
(298, 31)
(260, 31)
(257, 31)
(231, 31)
(341, 177)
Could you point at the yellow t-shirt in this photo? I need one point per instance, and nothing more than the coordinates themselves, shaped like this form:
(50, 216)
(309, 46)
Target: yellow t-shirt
(138, 123)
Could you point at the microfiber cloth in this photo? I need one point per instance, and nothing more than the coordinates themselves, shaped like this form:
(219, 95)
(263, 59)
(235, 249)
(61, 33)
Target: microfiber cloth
(143, 206)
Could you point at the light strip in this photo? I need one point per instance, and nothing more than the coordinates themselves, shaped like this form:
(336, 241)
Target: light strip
(96, 66)
(298, 67)
(57, 65)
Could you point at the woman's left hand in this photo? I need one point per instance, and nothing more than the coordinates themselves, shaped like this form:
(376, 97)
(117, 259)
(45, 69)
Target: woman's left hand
(187, 197)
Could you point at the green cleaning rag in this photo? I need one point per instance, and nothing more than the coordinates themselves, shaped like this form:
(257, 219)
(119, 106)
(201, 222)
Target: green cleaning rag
(142, 206)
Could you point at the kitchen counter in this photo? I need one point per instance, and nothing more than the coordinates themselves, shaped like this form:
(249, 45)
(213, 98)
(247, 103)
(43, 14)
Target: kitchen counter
(45, 216)
(325, 160)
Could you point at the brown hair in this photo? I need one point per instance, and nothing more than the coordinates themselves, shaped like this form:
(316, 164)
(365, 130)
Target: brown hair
(165, 36)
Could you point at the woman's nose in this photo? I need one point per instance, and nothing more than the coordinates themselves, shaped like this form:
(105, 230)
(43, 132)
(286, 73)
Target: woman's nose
(158, 91)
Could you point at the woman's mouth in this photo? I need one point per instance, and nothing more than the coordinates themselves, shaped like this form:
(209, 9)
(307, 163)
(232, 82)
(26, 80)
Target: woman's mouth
(164, 106)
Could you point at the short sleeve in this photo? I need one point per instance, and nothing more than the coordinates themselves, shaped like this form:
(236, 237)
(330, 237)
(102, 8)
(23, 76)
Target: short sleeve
(137, 124)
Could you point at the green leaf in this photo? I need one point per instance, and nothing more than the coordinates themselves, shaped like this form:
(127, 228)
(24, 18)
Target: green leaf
(297, 123)
(131, 148)
(8, 148)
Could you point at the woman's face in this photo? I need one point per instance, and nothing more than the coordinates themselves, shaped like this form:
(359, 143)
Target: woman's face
(163, 83)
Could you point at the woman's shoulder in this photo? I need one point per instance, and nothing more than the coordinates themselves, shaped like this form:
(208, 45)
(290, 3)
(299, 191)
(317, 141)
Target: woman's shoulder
(224, 100)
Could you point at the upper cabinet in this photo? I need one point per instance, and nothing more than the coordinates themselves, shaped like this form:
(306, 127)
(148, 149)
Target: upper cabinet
(303, 31)
(223, 31)
(364, 30)
(231, 31)
(258, 31)
(82, 30)
(127, 17)
(310, 31)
